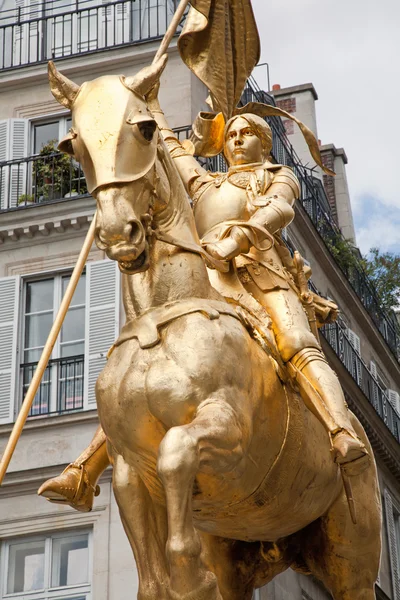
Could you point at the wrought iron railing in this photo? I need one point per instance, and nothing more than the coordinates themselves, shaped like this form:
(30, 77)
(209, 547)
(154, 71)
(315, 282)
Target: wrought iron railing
(39, 179)
(61, 388)
(57, 29)
(336, 337)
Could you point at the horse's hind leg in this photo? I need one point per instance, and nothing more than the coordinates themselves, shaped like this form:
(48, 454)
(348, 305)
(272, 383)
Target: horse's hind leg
(145, 525)
(344, 556)
(211, 440)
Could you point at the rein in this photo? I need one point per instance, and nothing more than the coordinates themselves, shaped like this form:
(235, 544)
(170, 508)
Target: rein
(220, 265)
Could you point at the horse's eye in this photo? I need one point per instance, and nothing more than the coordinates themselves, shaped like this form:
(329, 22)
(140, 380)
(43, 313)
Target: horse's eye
(147, 129)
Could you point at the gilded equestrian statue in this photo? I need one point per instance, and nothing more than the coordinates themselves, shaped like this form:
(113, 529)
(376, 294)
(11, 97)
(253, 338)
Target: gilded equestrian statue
(223, 470)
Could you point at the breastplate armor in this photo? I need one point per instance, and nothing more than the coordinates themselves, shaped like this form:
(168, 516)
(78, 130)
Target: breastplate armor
(220, 203)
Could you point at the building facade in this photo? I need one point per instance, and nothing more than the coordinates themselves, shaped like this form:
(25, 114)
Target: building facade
(51, 552)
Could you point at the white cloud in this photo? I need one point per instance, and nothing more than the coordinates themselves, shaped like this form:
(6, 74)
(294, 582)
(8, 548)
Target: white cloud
(349, 50)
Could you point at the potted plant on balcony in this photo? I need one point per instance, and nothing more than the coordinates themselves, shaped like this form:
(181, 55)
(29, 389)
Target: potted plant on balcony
(25, 200)
(52, 173)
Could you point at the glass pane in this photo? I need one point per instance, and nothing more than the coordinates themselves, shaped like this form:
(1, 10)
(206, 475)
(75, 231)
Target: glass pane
(43, 134)
(74, 325)
(72, 349)
(37, 329)
(70, 561)
(79, 295)
(39, 295)
(26, 567)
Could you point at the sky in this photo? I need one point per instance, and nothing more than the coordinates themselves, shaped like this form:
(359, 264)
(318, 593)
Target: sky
(350, 51)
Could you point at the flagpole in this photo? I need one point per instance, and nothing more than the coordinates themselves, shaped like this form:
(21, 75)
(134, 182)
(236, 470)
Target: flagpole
(46, 353)
(169, 34)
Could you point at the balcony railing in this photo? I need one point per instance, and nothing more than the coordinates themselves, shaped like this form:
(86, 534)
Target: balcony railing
(39, 179)
(61, 388)
(336, 337)
(58, 29)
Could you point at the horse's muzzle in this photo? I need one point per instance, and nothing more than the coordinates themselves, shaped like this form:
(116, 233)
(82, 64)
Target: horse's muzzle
(131, 259)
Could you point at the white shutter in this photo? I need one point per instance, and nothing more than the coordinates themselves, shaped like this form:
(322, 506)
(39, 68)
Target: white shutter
(352, 359)
(102, 321)
(354, 340)
(3, 157)
(394, 399)
(394, 550)
(9, 297)
(373, 370)
(13, 146)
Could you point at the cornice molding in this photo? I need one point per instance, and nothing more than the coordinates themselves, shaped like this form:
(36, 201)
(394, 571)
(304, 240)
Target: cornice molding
(44, 220)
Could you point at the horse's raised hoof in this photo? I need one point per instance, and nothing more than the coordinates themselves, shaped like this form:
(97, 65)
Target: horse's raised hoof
(72, 487)
(350, 453)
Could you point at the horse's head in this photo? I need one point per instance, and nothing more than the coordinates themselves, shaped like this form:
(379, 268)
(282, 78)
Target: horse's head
(114, 136)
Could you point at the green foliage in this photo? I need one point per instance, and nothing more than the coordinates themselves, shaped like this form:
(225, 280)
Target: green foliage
(383, 269)
(56, 173)
(25, 198)
(343, 251)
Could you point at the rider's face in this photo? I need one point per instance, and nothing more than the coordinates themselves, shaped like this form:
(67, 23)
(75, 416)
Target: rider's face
(242, 146)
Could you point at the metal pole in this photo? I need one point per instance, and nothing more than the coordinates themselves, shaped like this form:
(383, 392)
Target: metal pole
(169, 34)
(47, 350)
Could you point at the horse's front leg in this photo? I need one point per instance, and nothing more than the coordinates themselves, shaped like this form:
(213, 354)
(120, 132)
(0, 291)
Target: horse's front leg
(213, 440)
(145, 525)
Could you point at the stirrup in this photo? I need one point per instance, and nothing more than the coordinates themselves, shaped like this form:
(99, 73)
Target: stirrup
(78, 495)
(353, 456)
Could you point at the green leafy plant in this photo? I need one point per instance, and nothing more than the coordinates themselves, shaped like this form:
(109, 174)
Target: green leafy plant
(25, 199)
(55, 172)
(383, 270)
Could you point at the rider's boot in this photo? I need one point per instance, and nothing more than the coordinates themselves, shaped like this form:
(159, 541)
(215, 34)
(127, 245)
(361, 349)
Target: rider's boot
(77, 484)
(323, 395)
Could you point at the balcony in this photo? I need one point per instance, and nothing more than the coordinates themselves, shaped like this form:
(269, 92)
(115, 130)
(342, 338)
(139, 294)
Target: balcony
(336, 337)
(61, 388)
(55, 29)
(39, 179)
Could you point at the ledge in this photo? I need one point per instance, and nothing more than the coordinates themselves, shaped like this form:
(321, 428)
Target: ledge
(40, 220)
(295, 89)
(86, 64)
(336, 151)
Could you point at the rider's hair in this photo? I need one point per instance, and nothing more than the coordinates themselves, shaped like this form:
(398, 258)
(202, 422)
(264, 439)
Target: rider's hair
(260, 127)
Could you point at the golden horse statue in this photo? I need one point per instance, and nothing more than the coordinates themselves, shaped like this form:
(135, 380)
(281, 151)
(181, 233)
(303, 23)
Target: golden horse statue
(223, 477)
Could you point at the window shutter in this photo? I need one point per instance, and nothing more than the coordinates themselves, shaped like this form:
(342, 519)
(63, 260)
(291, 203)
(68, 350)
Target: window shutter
(9, 297)
(393, 546)
(102, 321)
(394, 399)
(13, 146)
(373, 370)
(352, 359)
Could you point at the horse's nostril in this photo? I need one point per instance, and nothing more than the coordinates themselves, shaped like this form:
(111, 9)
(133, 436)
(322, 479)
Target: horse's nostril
(135, 232)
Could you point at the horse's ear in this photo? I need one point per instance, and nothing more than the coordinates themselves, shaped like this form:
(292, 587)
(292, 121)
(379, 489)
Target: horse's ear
(142, 82)
(63, 89)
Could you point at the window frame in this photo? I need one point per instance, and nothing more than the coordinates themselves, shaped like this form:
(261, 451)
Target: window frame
(69, 592)
(62, 118)
(57, 276)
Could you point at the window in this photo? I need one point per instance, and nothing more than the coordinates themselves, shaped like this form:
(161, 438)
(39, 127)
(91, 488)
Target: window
(47, 567)
(29, 305)
(46, 131)
(392, 512)
(62, 384)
